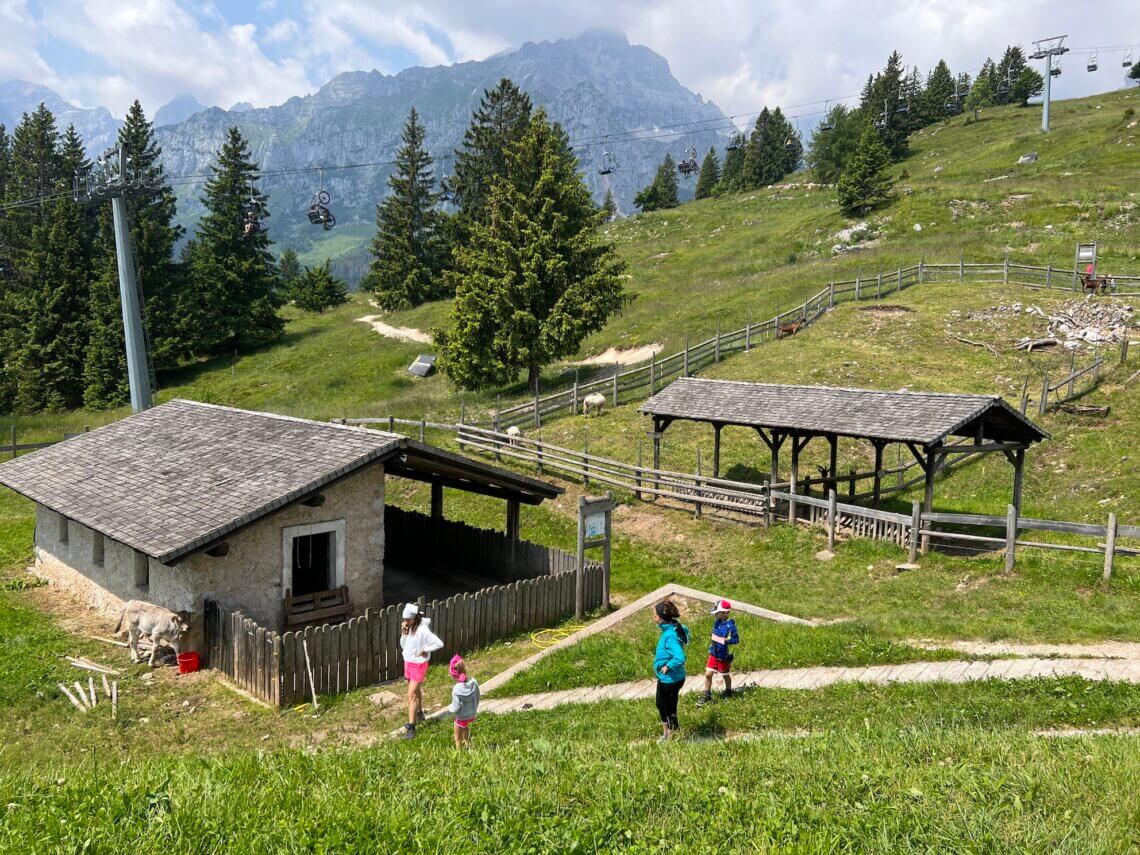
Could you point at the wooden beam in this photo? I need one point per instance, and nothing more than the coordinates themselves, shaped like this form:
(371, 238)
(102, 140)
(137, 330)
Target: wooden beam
(513, 520)
(798, 444)
(875, 490)
(918, 455)
(833, 462)
(928, 494)
(716, 449)
(1018, 474)
(984, 447)
(436, 500)
(469, 487)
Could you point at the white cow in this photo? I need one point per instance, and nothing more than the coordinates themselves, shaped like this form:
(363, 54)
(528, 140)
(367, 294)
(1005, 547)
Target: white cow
(514, 433)
(593, 403)
(161, 626)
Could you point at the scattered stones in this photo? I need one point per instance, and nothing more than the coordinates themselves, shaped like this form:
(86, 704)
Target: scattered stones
(1075, 324)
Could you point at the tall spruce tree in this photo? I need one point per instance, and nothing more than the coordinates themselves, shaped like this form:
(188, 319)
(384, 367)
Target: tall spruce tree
(502, 118)
(536, 277)
(881, 107)
(941, 90)
(831, 149)
(410, 249)
(732, 173)
(317, 289)
(234, 301)
(983, 93)
(288, 268)
(609, 205)
(766, 160)
(662, 191)
(864, 184)
(710, 175)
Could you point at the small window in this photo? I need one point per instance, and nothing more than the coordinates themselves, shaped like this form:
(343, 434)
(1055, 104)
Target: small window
(142, 571)
(62, 521)
(96, 549)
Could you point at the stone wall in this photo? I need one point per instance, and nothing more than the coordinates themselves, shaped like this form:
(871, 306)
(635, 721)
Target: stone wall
(248, 577)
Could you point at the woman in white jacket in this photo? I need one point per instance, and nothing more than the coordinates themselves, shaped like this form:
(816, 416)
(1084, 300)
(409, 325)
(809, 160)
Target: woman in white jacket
(417, 642)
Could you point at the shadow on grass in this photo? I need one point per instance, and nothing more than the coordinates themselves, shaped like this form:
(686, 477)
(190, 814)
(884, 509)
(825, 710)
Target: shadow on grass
(189, 372)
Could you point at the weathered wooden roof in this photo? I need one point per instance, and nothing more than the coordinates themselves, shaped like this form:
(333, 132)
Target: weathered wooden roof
(924, 418)
(179, 477)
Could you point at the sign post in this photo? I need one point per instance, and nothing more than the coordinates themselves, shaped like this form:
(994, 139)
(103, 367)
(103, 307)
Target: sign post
(595, 529)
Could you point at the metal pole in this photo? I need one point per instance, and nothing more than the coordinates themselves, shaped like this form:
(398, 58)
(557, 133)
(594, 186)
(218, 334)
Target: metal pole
(138, 374)
(579, 579)
(831, 502)
(606, 556)
(1048, 92)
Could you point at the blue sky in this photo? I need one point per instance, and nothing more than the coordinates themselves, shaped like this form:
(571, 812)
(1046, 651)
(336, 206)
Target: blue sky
(739, 53)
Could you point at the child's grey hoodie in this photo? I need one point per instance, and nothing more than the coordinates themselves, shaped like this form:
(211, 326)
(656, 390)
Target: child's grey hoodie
(465, 699)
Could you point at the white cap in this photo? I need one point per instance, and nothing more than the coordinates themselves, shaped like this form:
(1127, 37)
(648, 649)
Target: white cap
(411, 610)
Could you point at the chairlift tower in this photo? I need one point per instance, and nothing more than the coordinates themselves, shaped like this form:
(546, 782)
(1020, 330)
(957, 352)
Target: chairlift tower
(112, 178)
(1046, 50)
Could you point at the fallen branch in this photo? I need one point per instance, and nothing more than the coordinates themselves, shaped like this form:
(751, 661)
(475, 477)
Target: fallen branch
(115, 699)
(970, 341)
(87, 664)
(82, 695)
(72, 698)
(1029, 344)
(1083, 410)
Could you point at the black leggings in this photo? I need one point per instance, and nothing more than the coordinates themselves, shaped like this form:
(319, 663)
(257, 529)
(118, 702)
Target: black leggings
(667, 702)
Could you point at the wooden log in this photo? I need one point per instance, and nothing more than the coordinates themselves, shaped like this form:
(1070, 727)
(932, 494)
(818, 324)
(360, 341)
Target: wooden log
(1109, 546)
(74, 701)
(1010, 537)
(831, 521)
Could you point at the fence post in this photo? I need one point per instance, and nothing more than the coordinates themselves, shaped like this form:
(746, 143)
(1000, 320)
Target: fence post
(716, 347)
(14, 439)
(856, 287)
(637, 474)
(1048, 275)
(1025, 395)
(879, 286)
(921, 270)
(1072, 370)
(423, 429)
(617, 371)
(898, 286)
(1005, 270)
(391, 424)
(831, 520)
(579, 587)
(1124, 350)
(831, 295)
(537, 420)
(1109, 546)
(961, 265)
(1096, 370)
(538, 452)
(574, 398)
(687, 355)
(851, 483)
(653, 374)
(697, 487)
(496, 421)
(586, 456)
(1010, 536)
(915, 528)
(748, 333)
(1044, 402)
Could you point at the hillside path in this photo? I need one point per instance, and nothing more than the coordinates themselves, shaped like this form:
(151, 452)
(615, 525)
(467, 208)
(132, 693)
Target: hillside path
(957, 671)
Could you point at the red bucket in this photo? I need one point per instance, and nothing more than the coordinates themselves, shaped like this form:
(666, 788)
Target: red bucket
(187, 662)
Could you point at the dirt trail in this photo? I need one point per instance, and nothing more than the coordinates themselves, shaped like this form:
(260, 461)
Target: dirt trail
(622, 355)
(389, 331)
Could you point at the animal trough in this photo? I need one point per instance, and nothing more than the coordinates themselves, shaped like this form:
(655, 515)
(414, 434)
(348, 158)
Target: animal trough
(423, 366)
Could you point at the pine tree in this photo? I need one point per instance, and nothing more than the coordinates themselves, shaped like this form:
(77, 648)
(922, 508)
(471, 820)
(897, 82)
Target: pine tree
(317, 289)
(766, 158)
(864, 184)
(288, 268)
(710, 175)
(984, 91)
(793, 144)
(732, 174)
(536, 278)
(1134, 74)
(501, 119)
(881, 107)
(609, 205)
(410, 248)
(940, 90)
(234, 278)
(662, 191)
(4, 159)
(831, 150)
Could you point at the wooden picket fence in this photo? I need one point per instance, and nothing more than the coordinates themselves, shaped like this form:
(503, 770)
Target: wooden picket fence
(365, 650)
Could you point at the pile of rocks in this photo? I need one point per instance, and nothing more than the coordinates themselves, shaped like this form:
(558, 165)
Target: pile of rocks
(1075, 324)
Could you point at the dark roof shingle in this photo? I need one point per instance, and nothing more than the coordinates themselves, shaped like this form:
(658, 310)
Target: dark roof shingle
(920, 417)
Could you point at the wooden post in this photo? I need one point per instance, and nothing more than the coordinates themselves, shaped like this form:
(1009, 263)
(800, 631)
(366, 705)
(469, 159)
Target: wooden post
(921, 270)
(716, 450)
(606, 557)
(538, 452)
(637, 474)
(391, 424)
(879, 286)
(1005, 270)
(856, 287)
(777, 441)
(1109, 546)
(1048, 275)
(833, 461)
(851, 483)
(878, 473)
(915, 527)
(1018, 477)
(579, 567)
(1010, 536)
(961, 265)
(716, 347)
(423, 429)
(831, 295)
(574, 394)
(1044, 402)
(697, 486)
(1025, 395)
(898, 465)
(513, 519)
(14, 439)
(748, 333)
(831, 520)
(653, 374)
(928, 493)
(537, 420)
(792, 481)
(617, 371)
(1072, 370)
(898, 285)
(585, 456)
(656, 460)
(436, 500)
(686, 363)
(1123, 352)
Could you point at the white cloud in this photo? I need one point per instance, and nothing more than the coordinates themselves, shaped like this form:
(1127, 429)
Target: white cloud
(19, 56)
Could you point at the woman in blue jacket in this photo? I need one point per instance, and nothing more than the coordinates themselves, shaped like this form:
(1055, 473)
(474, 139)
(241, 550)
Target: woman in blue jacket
(669, 664)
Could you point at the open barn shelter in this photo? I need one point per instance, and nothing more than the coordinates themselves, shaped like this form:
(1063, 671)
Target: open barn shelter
(931, 425)
(282, 518)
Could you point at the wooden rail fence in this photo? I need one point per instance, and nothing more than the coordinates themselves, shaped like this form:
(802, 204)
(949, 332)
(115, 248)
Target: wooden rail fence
(364, 650)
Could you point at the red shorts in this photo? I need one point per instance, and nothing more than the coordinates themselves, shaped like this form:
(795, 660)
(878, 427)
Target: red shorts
(415, 672)
(464, 722)
(720, 666)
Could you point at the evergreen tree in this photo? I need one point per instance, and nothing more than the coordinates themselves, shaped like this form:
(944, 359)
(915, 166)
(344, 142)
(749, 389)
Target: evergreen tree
(732, 174)
(881, 107)
(984, 91)
(1016, 82)
(4, 158)
(502, 118)
(831, 150)
(609, 205)
(317, 289)
(766, 159)
(940, 90)
(234, 278)
(864, 184)
(1134, 74)
(288, 268)
(536, 277)
(1029, 84)
(709, 176)
(662, 191)
(410, 248)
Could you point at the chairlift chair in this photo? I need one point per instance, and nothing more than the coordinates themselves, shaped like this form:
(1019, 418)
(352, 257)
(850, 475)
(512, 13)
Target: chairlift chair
(826, 124)
(688, 165)
(319, 213)
(1127, 61)
(1055, 71)
(252, 216)
(609, 162)
(1092, 65)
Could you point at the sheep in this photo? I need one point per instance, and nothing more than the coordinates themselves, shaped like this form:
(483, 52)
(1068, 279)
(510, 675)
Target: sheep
(594, 403)
(513, 433)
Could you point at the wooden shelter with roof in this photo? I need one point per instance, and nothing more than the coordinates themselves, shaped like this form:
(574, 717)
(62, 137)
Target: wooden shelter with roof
(923, 422)
(285, 519)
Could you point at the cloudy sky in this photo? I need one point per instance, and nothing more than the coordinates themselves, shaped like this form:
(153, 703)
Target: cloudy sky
(739, 54)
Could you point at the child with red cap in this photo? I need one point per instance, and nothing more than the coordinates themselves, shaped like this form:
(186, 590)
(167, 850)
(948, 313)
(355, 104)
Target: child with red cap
(720, 657)
(464, 701)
